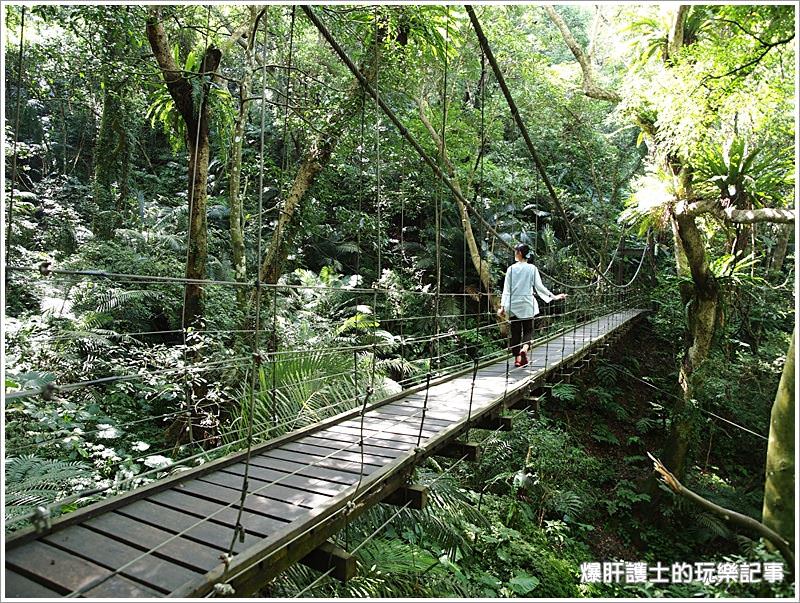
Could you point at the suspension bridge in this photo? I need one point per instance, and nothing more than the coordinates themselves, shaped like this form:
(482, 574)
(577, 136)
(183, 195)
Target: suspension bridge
(230, 525)
(171, 538)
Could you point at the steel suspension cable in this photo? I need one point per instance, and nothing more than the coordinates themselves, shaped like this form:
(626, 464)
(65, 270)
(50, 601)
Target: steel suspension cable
(394, 119)
(17, 111)
(238, 531)
(528, 142)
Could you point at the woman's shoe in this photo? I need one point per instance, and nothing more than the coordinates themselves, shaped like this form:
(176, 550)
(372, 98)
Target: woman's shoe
(523, 359)
(517, 362)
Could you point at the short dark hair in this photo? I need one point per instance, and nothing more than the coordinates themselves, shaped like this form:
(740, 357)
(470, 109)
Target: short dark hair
(523, 249)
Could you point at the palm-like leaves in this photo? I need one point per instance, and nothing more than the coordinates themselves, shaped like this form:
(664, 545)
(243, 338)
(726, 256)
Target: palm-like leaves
(736, 171)
(651, 33)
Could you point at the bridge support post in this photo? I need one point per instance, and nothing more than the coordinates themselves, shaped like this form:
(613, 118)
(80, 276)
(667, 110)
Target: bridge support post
(457, 450)
(327, 556)
(526, 403)
(414, 495)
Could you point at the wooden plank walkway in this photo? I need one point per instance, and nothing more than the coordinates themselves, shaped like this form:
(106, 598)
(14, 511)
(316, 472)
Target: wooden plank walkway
(170, 538)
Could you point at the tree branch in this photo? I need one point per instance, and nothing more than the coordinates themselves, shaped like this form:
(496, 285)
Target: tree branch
(590, 88)
(675, 40)
(734, 215)
(733, 517)
(179, 87)
(751, 62)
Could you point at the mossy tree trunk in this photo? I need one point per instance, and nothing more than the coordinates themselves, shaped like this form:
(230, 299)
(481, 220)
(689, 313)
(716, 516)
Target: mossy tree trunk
(112, 152)
(194, 112)
(196, 119)
(235, 201)
(779, 489)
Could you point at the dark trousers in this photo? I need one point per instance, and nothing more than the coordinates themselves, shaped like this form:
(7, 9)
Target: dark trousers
(521, 333)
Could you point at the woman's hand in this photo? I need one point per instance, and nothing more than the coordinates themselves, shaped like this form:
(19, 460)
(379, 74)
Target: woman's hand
(501, 312)
(560, 296)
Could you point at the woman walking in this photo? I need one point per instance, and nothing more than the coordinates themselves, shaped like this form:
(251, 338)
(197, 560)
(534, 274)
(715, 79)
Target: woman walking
(518, 300)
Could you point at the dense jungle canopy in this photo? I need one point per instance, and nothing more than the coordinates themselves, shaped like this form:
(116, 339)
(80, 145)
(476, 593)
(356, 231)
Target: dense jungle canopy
(214, 234)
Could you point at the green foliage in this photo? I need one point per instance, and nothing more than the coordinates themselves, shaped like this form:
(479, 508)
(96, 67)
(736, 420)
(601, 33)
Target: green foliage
(102, 187)
(32, 482)
(566, 392)
(625, 496)
(602, 433)
(763, 175)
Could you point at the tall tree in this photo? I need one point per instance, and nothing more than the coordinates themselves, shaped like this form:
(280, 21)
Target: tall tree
(234, 186)
(113, 145)
(699, 287)
(194, 111)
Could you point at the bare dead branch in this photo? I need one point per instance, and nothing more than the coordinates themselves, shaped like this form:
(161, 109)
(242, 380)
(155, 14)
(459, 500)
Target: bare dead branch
(733, 517)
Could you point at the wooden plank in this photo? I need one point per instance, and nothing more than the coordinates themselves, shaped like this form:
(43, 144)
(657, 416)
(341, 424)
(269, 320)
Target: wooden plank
(171, 520)
(302, 468)
(185, 552)
(347, 435)
(351, 446)
(276, 510)
(339, 452)
(338, 465)
(223, 514)
(53, 568)
(410, 426)
(430, 417)
(435, 416)
(158, 574)
(18, 586)
(371, 432)
(251, 570)
(301, 482)
(453, 400)
(383, 426)
(438, 412)
(268, 488)
(119, 587)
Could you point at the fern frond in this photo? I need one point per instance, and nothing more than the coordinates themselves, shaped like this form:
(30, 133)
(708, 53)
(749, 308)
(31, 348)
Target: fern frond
(116, 298)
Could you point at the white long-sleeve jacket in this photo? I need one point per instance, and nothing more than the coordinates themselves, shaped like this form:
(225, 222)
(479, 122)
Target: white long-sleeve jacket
(522, 279)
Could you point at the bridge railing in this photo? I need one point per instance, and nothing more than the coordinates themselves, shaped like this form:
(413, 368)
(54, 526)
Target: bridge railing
(120, 385)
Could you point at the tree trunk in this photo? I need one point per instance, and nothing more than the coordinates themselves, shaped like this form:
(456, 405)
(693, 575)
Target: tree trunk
(675, 39)
(700, 296)
(590, 87)
(112, 150)
(316, 158)
(110, 157)
(234, 196)
(779, 489)
(779, 254)
(194, 302)
(482, 266)
(196, 118)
